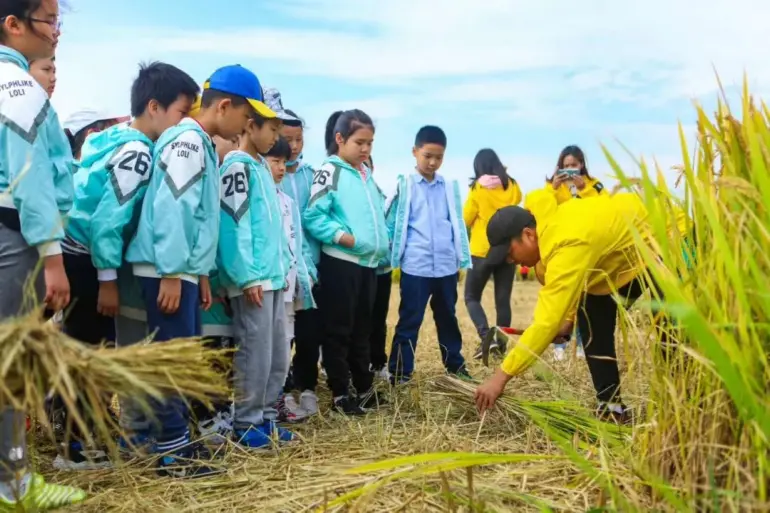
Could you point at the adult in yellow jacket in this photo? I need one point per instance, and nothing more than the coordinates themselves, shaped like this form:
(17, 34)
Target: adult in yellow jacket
(587, 250)
(571, 179)
(491, 190)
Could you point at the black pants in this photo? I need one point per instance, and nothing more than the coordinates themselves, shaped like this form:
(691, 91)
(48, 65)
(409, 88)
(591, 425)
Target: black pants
(83, 323)
(81, 320)
(377, 340)
(475, 281)
(307, 345)
(345, 303)
(597, 319)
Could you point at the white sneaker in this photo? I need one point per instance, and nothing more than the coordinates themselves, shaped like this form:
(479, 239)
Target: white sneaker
(216, 430)
(559, 354)
(581, 352)
(382, 374)
(308, 402)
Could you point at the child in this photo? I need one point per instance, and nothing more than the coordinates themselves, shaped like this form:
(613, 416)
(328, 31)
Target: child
(115, 168)
(253, 255)
(44, 72)
(174, 248)
(298, 294)
(430, 245)
(297, 183)
(35, 192)
(345, 213)
(491, 189)
(379, 335)
(82, 123)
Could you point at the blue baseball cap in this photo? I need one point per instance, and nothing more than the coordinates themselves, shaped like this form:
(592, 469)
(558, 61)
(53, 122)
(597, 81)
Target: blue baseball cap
(239, 81)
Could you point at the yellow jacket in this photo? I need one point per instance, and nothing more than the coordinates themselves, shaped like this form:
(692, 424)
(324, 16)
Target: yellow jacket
(592, 189)
(585, 246)
(479, 208)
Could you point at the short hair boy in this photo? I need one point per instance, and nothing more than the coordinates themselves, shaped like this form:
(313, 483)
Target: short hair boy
(175, 245)
(114, 170)
(430, 245)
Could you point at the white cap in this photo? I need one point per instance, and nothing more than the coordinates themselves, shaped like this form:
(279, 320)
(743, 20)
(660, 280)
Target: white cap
(80, 119)
(273, 100)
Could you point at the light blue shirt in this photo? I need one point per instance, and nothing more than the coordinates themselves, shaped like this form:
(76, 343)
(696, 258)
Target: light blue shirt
(430, 250)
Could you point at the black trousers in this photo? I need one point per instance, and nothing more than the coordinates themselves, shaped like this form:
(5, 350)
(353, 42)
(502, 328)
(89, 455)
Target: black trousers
(597, 319)
(346, 300)
(83, 323)
(475, 281)
(307, 345)
(377, 340)
(81, 320)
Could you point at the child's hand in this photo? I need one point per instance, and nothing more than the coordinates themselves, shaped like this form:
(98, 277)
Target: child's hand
(169, 295)
(347, 241)
(108, 302)
(57, 286)
(205, 291)
(254, 295)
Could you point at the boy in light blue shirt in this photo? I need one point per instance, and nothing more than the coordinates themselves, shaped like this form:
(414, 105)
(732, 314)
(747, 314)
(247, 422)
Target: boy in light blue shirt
(430, 245)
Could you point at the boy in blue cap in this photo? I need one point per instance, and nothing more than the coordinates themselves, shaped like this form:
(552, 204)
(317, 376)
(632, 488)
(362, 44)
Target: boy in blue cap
(175, 245)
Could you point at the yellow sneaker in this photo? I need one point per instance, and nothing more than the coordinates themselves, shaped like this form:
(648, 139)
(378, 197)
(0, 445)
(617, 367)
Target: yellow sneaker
(38, 495)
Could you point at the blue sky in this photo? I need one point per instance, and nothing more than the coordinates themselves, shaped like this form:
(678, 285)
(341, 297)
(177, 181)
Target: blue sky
(523, 78)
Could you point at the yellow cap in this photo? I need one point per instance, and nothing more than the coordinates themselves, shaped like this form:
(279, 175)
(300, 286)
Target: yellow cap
(195, 108)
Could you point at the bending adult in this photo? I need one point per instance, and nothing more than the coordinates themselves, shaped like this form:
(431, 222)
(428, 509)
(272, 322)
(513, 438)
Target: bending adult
(587, 250)
(491, 189)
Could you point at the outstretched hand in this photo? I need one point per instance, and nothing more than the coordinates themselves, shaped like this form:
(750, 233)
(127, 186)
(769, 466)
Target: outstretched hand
(488, 392)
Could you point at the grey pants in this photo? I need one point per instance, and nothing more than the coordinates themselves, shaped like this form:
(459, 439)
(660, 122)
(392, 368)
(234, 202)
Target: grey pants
(261, 360)
(476, 280)
(19, 293)
(127, 333)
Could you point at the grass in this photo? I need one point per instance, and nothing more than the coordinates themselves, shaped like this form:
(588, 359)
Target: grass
(703, 443)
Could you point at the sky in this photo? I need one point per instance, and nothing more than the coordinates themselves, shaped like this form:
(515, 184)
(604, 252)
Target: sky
(525, 78)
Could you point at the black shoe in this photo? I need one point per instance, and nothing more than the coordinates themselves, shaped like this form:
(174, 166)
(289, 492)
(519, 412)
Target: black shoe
(372, 400)
(620, 414)
(191, 462)
(348, 405)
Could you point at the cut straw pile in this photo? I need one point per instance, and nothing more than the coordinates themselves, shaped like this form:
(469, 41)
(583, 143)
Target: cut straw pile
(38, 361)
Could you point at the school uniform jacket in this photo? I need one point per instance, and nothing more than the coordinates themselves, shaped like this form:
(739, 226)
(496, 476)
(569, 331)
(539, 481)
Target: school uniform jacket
(398, 220)
(297, 185)
(253, 249)
(35, 158)
(306, 269)
(343, 201)
(179, 224)
(110, 184)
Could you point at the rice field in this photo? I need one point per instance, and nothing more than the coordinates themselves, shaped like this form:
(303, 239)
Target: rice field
(311, 474)
(702, 440)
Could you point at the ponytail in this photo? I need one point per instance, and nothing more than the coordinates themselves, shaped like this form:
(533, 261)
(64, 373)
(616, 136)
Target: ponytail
(329, 136)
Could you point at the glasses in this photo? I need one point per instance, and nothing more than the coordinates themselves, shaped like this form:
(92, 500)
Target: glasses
(54, 24)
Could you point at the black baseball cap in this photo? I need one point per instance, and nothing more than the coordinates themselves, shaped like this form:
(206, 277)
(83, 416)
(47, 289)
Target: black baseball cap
(506, 224)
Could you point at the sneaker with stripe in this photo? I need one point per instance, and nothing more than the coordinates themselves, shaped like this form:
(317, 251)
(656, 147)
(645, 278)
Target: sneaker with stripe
(34, 494)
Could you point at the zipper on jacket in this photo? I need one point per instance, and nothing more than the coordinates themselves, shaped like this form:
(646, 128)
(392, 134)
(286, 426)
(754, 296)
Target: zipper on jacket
(374, 218)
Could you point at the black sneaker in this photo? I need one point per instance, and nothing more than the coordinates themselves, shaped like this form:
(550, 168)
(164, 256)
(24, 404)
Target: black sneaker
(616, 414)
(348, 405)
(372, 400)
(76, 457)
(190, 462)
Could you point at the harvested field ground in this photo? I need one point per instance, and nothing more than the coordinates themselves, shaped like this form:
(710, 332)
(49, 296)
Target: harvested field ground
(310, 475)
